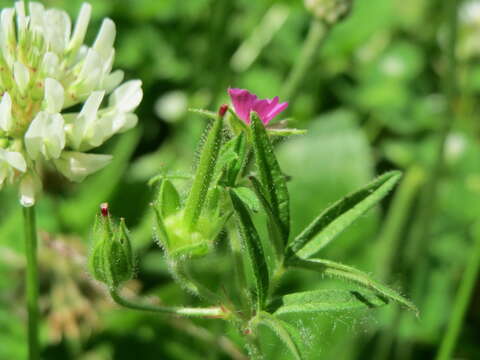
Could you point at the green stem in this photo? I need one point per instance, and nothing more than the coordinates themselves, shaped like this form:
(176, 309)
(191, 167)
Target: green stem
(428, 202)
(213, 312)
(391, 234)
(32, 282)
(316, 34)
(462, 300)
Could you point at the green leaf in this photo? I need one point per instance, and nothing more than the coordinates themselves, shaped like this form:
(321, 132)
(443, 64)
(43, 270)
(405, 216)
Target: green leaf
(206, 113)
(335, 219)
(168, 198)
(283, 332)
(321, 301)
(248, 197)
(350, 274)
(286, 132)
(204, 174)
(253, 245)
(271, 176)
(275, 225)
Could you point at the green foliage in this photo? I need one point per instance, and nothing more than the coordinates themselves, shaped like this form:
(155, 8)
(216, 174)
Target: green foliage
(340, 215)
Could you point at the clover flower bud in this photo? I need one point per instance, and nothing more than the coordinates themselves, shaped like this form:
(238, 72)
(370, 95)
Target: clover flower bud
(329, 11)
(111, 260)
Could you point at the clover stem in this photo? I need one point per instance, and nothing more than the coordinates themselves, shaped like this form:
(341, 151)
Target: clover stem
(462, 300)
(31, 281)
(316, 34)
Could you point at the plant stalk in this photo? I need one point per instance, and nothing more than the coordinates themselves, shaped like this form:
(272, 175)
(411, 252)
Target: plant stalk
(462, 300)
(31, 282)
(316, 34)
(212, 312)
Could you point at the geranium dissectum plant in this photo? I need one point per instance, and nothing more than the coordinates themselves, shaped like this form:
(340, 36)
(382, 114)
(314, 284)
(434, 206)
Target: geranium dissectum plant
(226, 191)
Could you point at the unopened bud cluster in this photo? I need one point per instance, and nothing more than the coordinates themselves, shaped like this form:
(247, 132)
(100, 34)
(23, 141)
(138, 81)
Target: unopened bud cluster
(44, 70)
(111, 260)
(329, 11)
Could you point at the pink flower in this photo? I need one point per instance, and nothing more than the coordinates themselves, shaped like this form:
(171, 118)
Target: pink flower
(244, 102)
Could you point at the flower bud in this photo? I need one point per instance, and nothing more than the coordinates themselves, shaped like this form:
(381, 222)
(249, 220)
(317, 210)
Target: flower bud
(329, 11)
(111, 260)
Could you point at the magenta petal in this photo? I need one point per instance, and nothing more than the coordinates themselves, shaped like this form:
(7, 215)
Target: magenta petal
(243, 102)
(262, 108)
(274, 111)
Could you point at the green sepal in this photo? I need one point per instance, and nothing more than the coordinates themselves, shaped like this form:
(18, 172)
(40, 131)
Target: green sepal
(270, 174)
(204, 174)
(248, 197)
(252, 244)
(231, 160)
(168, 198)
(335, 219)
(237, 125)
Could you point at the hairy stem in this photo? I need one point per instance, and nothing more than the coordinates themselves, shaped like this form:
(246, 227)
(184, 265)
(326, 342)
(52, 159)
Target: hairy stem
(212, 312)
(32, 282)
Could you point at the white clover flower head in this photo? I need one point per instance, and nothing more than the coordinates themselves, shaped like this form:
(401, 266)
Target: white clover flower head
(45, 69)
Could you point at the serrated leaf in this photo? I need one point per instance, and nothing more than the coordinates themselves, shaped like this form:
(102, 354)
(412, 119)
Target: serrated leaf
(271, 176)
(321, 301)
(350, 274)
(168, 198)
(253, 246)
(275, 225)
(248, 197)
(283, 332)
(335, 219)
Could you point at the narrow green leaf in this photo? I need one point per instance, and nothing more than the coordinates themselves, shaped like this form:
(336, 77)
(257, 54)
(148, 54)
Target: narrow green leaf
(204, 174)
(275, 225)
(248, 197)
(271, 176)
(321, 301)
(253, 245)
(335, 219)
(168, 198)
(283, 332)
(347, 273)
(286, 132)
(206, 113)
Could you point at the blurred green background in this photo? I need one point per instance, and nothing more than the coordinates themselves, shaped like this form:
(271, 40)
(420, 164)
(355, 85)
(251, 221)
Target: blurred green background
(374, 100)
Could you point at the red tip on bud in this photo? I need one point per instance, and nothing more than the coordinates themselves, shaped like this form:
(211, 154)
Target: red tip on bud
(104, 209)
(223, 109)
